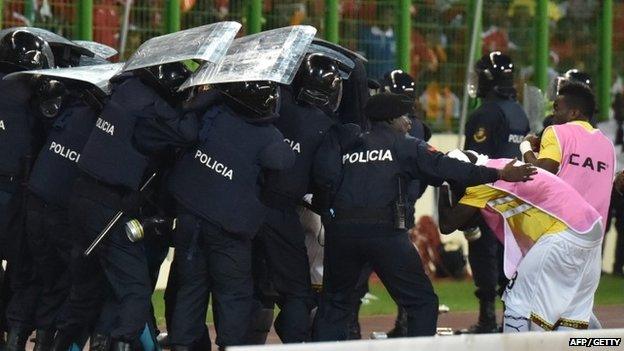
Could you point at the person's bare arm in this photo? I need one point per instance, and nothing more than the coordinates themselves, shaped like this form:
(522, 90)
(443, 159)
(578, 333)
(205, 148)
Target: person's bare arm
(547, 164)
(452, 217)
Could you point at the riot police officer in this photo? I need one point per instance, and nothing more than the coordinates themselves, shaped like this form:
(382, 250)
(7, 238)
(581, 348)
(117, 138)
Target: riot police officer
(21, 133)
(219, 211)
(399, 82)
(495, 129)
(75, 108)
(133, 136)
(367, 222)
(281, 241)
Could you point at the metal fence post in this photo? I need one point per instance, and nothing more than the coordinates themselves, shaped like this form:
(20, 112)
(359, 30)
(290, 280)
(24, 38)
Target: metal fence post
(404, 31)
(606, 59)
(85, 20)
(541, 44)
(331, 20)
(29, 11)
(172, 16)
(254, 16)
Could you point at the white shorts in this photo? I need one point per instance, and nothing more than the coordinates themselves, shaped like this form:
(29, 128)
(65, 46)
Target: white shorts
(556, 281)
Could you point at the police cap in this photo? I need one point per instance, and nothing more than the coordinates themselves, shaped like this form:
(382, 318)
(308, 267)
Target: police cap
(387, 106)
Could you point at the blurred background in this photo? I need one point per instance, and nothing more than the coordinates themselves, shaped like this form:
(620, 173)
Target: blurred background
(428, 38)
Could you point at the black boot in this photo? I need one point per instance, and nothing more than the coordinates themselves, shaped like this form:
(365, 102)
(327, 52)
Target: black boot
(355, 332)
(99, 342)
(400, 325)
(44, 340)
(487, 318)
(62, 342)
(16, 339)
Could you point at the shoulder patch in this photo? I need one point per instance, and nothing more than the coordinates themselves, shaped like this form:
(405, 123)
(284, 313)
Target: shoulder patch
(480, 135)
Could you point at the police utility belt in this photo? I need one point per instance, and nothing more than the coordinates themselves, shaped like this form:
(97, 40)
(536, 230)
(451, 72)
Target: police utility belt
(385, 215)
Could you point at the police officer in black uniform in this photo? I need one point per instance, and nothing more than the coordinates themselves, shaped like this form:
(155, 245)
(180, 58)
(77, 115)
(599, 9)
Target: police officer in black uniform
(219, 211)
(399, 82)
(281, 240)
(21, 134)
(368, 218)
(74, 108)
(132, 140)
(495, 129)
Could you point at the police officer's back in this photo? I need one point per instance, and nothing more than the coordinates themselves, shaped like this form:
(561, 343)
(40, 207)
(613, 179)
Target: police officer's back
(21, 134)
(51, 180)
(280, 241)
(216, 185)
(138, 126)
(369, 219)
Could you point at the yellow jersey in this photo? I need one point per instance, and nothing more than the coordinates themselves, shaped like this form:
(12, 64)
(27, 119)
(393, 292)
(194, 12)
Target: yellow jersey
(549, 145)
(530, 221)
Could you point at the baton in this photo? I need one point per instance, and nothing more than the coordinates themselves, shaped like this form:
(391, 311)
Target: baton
(114, 221)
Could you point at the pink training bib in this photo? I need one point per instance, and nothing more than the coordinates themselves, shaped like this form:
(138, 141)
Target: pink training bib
(548, 193)
(587, 164)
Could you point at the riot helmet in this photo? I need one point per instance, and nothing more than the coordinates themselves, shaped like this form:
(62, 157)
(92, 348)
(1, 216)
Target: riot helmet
(579, 76)
(571, 75)
(50, 96)
(21, 50)
(166, 79)
(318, 82)
(399, 82)
(493, 72)
(257, 101)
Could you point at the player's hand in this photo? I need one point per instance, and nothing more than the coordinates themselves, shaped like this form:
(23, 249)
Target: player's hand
(535, 142)
(522, 173)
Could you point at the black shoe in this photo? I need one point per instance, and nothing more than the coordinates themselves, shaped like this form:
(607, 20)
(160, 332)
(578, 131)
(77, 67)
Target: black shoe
(44, 339)
(355, 332)
(99, 342)
(61, 342)
(400, 325)
(487, 319)
(16, 340)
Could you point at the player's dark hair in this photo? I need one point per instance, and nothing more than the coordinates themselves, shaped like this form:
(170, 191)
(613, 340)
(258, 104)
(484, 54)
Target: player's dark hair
(579, 96)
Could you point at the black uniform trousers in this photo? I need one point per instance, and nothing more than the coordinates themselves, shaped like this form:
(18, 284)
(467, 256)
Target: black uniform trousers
(486, 261)
(210, 261)
(349, 245)
(116, 262)
(20, 291)
(281, 241)
(49, 239)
